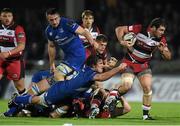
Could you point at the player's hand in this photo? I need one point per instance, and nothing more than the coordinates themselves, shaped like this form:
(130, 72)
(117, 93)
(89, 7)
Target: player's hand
(112, 62)
(161, 46)
(4, 55)
(127, 43)
(122, 67)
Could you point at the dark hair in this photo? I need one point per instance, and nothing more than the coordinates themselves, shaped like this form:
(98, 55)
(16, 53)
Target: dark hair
(6, 10)
(87, 13)
(52, 11)
(157, 22)
(102, 37)
(92, 60)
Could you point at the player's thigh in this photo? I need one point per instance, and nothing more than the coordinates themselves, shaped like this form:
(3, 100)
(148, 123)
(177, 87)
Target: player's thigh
(127, 78)
(145, 79)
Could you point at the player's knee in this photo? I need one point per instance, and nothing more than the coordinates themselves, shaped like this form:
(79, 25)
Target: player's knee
(149, 93)
(147, 90)
(127, 81)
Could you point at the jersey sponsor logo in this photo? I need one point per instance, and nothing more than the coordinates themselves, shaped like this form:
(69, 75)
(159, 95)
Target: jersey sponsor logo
(9, 33)
(14, 76)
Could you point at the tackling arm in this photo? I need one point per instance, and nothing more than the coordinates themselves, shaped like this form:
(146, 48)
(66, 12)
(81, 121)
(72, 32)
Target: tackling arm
(88, 36)
(109, 74)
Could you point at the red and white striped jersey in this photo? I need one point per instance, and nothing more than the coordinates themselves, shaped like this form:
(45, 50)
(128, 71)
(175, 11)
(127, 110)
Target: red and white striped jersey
(144, 46)
(9, 38)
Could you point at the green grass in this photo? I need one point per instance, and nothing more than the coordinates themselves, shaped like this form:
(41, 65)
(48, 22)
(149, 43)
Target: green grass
(164, 113)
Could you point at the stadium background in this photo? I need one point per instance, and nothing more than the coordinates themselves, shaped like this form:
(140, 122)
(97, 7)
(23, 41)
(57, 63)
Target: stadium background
(108, 15)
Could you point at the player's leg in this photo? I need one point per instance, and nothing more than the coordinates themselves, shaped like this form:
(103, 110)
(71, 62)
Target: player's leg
(64, 72)
(127, 80)
(40, 87)
(145, 79)
(96, 101)
(16, 72)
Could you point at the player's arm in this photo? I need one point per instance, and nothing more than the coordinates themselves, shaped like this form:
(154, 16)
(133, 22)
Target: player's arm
(21, 40)
(52, 54)
(165, 52)
(19, 48)
(120, 32)
(85, 33)
(106, 75)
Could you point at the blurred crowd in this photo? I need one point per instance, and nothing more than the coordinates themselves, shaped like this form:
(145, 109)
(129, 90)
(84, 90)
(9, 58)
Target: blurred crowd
(108, 15)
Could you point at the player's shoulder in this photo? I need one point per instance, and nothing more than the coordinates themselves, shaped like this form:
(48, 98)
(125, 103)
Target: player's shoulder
(17, 27)
(66, 20)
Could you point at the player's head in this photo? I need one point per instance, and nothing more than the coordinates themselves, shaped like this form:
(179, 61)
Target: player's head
(53, 17)
(102, 41)
(158, 27)
(6, 16)
(96, 63)
(87, 18)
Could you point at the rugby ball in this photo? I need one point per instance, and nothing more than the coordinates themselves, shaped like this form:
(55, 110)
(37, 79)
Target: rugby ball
(130, 36)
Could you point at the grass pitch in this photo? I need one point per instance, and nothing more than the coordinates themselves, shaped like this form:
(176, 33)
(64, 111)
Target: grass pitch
(164, 114)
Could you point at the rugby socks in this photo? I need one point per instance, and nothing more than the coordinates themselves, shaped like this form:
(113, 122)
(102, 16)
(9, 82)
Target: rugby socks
(146, 109)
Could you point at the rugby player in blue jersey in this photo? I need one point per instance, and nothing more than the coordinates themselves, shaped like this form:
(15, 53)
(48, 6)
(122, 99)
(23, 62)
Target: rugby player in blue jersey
(63, 33)
(68, 88)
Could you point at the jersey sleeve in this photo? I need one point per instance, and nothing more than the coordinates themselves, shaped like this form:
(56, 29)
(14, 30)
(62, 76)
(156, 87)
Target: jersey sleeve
(135, 28)
(89, 74)
(20, 34)
(71, 25)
